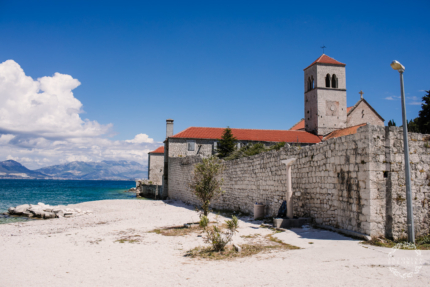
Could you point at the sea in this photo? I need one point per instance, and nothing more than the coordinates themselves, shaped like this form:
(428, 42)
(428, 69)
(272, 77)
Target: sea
(14, 192)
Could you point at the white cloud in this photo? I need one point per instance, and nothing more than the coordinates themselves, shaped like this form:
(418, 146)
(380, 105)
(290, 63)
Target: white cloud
(392, 98)
(141, 138)
(40, 123)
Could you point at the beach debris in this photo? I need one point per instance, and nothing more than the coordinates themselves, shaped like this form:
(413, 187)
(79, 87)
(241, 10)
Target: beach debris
(45, 211)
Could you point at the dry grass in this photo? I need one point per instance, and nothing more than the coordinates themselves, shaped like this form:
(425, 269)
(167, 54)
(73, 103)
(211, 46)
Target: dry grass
(177, 230)
(129, 239)
(251, 236)
(422, 242)
(268, 244)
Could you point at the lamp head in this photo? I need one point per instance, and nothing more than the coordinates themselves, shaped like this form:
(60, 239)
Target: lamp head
(397, 66)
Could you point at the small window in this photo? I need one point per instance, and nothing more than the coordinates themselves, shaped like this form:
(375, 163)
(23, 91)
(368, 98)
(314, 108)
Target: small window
(327, 81)
(313, 83)
(215, 145)
(191, 145)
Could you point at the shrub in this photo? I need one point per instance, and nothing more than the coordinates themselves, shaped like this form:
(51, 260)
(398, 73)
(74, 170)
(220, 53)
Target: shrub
(206, 182)
(220, 238)
(204, 221)
(253, 149)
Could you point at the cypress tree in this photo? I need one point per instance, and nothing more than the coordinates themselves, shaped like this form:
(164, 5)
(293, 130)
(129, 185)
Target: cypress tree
(227, 144)
(391, 123)
(424, 115)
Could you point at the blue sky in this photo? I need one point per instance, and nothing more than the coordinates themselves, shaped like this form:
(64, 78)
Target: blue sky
(215, 63)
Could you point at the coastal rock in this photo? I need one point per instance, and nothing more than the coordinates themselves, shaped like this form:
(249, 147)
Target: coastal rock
(21, 208)
(48, 215)
(45, 211)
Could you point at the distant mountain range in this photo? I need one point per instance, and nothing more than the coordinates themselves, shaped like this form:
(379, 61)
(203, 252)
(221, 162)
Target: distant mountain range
(77, 170)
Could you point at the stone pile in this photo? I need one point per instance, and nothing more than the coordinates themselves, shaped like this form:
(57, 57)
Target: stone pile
(45, 211)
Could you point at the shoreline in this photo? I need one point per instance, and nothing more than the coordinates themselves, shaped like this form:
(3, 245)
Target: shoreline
(92, 250)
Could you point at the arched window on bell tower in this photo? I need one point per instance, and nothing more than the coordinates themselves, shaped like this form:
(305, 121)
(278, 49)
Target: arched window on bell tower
(309, 84)
(327, 81)
(334, 81)
(312, 83)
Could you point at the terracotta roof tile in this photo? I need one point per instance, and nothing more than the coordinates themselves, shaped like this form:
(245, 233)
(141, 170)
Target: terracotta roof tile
(298, 126)
(343, 132)
(250, 135)
(324, 59)
(158, 150)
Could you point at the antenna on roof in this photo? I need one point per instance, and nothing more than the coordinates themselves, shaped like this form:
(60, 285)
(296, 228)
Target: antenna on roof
(323, 47)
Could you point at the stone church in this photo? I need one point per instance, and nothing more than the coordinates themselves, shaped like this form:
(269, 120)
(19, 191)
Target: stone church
(326, 116)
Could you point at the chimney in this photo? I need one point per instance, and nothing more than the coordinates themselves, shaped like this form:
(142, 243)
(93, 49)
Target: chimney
(169, 128)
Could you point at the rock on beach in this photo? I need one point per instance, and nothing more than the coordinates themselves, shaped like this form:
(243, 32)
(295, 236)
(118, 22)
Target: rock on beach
(45, 211)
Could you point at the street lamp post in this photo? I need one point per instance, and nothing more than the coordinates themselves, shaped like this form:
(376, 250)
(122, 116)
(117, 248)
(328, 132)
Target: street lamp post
(410, 215)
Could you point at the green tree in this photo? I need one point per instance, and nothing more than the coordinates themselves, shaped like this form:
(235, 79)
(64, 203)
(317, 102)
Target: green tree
(424, 115)
(206, 181)
(413, 126)
(227, 144)
(391, 123)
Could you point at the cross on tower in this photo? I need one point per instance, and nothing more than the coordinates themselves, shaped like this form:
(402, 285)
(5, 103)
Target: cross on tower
(323, 47)
(361, 94)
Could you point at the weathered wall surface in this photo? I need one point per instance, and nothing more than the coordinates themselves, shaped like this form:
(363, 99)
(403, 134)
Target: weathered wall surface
(363, 114)
(155, 168)
(353, 182)
(179, 147)
(388, 190)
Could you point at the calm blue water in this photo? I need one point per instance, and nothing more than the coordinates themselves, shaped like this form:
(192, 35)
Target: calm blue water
(55, 192)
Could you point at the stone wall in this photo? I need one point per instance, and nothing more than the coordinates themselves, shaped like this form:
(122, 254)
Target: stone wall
(155, 167)
(354, 182)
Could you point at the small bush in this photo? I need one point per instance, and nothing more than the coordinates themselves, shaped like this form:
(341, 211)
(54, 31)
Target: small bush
(204, 221)
(218, 238)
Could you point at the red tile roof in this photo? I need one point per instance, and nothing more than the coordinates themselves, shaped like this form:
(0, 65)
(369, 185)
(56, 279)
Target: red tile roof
(301, 125)
(343, 132)
(250, 135)
(158, 150)
(324, 59)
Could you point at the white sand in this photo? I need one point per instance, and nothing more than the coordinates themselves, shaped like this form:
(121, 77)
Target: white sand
(82, 251)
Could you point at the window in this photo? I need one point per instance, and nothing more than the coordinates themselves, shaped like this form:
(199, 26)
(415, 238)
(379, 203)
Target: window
(214, 148)
(191, 145)
(327, 81)
(313, 83)
(334, 81)
(309, 84)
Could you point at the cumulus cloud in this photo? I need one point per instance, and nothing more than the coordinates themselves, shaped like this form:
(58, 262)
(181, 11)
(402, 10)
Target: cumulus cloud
(141, 138)
(40, 123)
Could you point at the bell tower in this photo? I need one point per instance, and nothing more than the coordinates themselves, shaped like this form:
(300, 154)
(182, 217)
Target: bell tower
(325, 96)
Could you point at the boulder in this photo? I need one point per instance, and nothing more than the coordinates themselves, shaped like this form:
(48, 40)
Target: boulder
(21, 208)
(11, 210)
(59, 213)
(48, 215)
(37, 211)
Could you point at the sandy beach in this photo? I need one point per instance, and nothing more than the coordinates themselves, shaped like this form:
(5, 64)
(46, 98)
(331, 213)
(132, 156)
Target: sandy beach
(87, 251)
